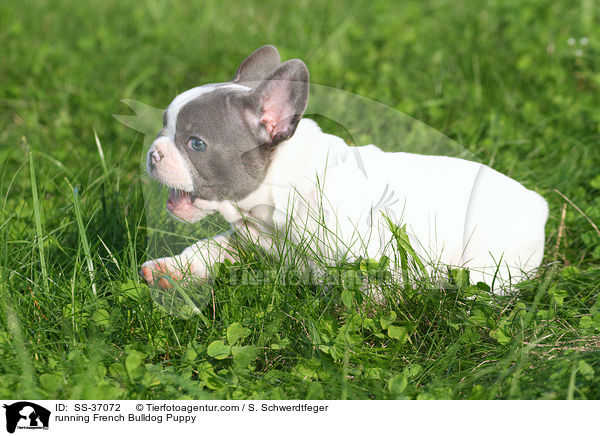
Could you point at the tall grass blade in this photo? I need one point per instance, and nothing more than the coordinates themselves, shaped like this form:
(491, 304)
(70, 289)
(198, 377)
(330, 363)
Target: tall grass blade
(101, 154)
(83, 238)
(18, 342)
(39, 234)
(405, 250)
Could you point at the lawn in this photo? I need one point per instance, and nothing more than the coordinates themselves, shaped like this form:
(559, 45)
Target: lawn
(515, 83)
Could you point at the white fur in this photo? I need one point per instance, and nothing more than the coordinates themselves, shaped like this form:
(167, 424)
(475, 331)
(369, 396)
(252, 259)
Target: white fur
(172, 169)
(456, 212)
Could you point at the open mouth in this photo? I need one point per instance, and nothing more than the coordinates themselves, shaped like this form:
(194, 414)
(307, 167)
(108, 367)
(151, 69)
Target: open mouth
(179, 199)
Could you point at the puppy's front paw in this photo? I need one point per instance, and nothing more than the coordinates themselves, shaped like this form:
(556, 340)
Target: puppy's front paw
(162, 272)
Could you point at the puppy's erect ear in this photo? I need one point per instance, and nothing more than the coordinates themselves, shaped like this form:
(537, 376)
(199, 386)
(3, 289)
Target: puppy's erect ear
(280, 101)
(258, 65)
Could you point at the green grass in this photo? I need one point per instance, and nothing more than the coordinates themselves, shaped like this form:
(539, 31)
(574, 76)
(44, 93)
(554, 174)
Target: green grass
(500, 78)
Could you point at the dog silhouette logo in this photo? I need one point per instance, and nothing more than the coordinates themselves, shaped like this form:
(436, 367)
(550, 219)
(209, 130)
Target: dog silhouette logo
(26, 415)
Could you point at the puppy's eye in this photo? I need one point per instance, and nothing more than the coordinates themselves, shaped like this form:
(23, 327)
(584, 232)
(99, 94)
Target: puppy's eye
(196, 144)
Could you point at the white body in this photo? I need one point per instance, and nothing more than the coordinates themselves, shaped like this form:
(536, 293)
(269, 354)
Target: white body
(457, 213)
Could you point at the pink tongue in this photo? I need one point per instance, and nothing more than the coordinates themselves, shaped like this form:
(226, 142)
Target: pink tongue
(176, 198)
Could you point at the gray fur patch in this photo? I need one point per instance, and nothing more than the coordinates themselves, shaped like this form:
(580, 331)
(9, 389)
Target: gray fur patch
(258, 65)
(234, 163)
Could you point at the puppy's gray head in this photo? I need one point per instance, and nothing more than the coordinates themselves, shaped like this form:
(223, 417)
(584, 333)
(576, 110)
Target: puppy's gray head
(217, 139)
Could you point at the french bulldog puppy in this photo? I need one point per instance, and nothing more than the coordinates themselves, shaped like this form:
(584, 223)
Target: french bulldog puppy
(242, 148)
